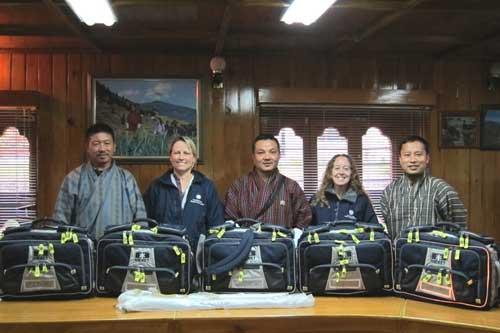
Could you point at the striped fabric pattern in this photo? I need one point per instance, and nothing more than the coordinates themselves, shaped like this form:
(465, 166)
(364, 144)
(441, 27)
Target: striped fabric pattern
(248, 195)
(95, 202)
(429, 201)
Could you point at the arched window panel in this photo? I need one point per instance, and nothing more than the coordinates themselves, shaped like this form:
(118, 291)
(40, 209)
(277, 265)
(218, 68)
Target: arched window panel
(292, 155)
(18, 164)
(396, 124)
(376, 165)
(329, 144)
(14, 162)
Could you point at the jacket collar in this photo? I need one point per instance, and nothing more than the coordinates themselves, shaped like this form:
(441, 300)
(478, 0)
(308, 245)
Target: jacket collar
(350, 195)
(93, 171)
(165, 179)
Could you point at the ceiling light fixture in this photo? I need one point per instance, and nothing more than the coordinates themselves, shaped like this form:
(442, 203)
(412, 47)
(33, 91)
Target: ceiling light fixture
(93, 11)
(306, 11)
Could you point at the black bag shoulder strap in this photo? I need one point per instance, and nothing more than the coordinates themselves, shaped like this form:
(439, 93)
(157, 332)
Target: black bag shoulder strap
(236, 258)
(272, 197)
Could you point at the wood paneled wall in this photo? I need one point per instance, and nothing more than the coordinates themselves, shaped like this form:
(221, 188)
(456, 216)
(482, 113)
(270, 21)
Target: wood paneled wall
(230, 116)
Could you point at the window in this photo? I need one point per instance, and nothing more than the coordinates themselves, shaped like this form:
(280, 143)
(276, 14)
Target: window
(370, 135)
(18, 165)
(329, 144)
(292, 158)
(376, 164)
(14, 161)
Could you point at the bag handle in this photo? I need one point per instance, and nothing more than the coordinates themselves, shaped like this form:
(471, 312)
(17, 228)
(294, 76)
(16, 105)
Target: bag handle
(421, 229)
(237, 256)
(227, 225)
(444, 226)
(172, 230)
(246, 222)
(371, 226)
(448, 226)
(320, 228)
(271, 228)
(46, 223)
(347, 223)
(477, 237)
(353, 224)
(150, 224)
(145, 221)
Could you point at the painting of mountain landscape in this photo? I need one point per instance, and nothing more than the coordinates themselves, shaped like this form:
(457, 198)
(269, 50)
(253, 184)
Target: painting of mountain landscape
(490, 127)
(146, 114)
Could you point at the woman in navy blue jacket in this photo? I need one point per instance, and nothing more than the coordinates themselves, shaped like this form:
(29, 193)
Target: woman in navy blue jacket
(183, 196)
(341, 195)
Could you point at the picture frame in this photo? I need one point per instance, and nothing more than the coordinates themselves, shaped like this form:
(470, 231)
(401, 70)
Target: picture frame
(459, 129)
(490, 127)
(147, 113)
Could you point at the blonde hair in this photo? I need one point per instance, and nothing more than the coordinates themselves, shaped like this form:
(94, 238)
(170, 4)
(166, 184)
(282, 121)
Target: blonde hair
(354, 182)
(187, 140)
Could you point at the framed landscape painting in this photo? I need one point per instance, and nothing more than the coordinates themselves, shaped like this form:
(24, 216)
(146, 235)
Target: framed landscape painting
(146, 114)
(490, 127)
(459, 129)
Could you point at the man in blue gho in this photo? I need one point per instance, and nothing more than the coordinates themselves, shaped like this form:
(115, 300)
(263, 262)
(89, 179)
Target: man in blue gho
(99, 193)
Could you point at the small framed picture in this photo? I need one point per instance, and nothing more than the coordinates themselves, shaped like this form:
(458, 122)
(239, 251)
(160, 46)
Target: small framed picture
(459, 129)
(490, 127)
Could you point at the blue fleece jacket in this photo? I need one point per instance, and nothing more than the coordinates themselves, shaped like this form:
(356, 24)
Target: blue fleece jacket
(203, 208)
(353, 206)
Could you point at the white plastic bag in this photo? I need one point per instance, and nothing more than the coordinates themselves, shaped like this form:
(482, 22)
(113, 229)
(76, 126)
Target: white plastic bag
(140, 300)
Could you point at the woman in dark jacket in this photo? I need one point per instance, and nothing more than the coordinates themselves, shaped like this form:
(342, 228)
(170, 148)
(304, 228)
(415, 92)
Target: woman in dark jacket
(341, 195)
(183, 196)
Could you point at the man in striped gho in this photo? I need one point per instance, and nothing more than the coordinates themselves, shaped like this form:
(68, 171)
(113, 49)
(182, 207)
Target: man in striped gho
(417, 198)
(265, 194)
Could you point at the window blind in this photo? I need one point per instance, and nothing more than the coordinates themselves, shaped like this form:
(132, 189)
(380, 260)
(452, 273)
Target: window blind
(18, 164)
(369, 134)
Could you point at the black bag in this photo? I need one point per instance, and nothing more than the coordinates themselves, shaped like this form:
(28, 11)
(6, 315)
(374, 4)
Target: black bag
(447, 265)
(46, 259)
(143, 255)
(345, 258)
(258, 259)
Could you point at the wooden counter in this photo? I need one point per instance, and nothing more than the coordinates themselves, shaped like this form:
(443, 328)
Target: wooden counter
(330, 314)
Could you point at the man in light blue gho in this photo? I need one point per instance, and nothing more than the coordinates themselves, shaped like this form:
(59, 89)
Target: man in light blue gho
(98, 193)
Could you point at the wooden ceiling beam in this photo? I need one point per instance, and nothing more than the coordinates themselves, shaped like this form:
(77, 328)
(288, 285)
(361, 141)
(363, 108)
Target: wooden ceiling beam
(374, 5)
(118, 3)
(387, 19)
(224, 26)
(424, 39)
(135, 31)
(355, 4)
(138, 32)
(377, 26)
(41, 43)
(489, 38)
(352, 4)
(19, 3)
(293, 40)
(265, 3)
(31, 30)
(77, 30)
